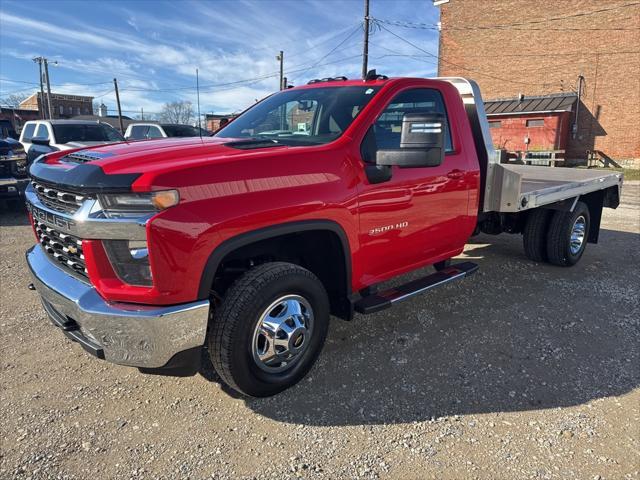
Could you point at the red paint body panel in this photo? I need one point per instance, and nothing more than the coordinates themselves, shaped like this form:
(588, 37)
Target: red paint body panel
(225, 192)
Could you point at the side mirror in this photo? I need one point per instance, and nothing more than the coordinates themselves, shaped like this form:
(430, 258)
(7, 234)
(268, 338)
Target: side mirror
(40, 141)
(421, 142)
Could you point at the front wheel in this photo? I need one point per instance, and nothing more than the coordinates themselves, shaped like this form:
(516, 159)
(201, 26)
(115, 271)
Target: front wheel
(270, 328)
(567, 235)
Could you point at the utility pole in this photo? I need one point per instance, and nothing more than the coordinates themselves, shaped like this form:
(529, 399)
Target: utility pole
(115, 84)
(41, 106)
(280, 57)
(141, 113)
(365, 46)
(46, 73)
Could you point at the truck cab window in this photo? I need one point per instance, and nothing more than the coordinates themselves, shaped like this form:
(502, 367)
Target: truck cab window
(388, 127)
(29, 129)
(154, 132)
(138, 132)
(42, 131)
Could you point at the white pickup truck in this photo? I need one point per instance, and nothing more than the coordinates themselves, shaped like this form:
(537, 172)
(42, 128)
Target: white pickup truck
(45, 136)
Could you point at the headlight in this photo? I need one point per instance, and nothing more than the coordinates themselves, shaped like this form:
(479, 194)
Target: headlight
(117, 205)
(130, 261)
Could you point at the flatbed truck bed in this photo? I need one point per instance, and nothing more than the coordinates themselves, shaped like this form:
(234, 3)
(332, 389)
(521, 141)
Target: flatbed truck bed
(523, 187)
(509, 188)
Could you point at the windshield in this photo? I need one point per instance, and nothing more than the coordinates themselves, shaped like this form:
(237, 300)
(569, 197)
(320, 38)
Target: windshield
(311, 116)
(181, 131)
(79, 132)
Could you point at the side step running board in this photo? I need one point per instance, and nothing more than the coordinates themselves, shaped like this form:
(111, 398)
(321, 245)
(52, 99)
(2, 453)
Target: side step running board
(381, 300)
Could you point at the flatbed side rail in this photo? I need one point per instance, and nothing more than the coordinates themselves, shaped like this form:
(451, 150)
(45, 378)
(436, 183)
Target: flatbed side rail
(522, 187)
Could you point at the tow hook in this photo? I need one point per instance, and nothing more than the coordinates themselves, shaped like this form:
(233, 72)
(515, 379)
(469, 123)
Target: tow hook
(31, 286)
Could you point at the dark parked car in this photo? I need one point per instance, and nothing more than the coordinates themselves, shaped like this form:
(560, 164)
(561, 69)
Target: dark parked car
(13, 169)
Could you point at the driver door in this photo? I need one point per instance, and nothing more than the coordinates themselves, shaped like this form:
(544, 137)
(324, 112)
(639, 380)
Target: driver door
(412, 218)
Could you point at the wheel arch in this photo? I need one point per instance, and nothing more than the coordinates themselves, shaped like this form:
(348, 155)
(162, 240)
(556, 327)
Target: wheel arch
(341, 307)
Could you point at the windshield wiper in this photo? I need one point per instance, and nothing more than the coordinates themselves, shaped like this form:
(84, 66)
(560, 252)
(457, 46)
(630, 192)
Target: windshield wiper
(254, 142)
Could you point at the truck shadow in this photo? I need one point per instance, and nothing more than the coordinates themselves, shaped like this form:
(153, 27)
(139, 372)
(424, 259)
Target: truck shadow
(517, 336)
(13, 213)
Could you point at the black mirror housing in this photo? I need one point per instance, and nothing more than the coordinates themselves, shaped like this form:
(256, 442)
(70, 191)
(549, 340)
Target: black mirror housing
(421, 142)
(40, 141)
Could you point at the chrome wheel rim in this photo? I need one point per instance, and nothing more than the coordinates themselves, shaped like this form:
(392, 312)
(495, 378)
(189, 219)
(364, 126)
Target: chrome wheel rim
(282, 334)
(577, 234)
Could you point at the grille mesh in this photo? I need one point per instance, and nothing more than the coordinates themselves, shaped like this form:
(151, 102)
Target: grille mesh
(63, 248)
(58, 200)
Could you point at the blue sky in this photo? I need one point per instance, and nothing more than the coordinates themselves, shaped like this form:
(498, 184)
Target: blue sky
(154, 47)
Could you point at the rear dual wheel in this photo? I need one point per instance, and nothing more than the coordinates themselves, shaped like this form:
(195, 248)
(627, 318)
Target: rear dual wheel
(567, 236)
(557, 237)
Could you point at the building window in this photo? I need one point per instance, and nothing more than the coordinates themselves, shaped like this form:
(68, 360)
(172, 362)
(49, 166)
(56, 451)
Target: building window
(538, 122)
(495, 124)
(61, 109)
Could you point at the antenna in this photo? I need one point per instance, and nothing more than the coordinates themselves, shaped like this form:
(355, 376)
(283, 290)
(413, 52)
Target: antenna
(198, 95)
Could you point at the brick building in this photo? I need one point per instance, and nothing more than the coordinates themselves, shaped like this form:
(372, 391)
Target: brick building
(536, 124)
(214, 121)
(63, 105)
(14, 118)
(519, 47)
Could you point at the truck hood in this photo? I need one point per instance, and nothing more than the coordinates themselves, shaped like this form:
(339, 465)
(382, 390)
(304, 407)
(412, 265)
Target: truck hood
(118, 165)
(74, 145)
(147, 155)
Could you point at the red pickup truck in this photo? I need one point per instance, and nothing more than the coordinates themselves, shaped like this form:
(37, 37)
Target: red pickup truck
(244, 243)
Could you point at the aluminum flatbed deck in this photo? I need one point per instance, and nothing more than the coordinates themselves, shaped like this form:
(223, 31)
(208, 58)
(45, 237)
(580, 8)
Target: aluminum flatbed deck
(522, 187)
(514, 188)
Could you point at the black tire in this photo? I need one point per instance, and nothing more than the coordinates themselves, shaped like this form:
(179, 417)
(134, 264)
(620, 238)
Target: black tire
(559, 251)
(535, 234)
(234, 321)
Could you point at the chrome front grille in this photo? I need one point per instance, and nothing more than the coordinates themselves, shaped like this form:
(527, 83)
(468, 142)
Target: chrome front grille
(61, 247)
(58, 200)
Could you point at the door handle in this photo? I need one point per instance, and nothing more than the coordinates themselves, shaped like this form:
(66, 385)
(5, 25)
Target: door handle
(455, 174)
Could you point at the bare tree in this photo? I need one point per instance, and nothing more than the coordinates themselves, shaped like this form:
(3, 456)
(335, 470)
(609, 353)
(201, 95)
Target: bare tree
(177, 112)
(14, 100)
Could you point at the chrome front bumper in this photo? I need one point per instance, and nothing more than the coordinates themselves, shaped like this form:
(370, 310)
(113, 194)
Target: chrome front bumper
(122, 333)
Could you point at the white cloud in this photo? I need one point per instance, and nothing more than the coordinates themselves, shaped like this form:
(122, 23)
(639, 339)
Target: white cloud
(227, 41)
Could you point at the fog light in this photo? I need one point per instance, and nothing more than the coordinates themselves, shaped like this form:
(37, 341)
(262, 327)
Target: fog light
(130, 261)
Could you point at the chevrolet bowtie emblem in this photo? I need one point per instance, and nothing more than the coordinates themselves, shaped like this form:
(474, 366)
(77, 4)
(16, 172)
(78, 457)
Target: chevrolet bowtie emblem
(72, 249)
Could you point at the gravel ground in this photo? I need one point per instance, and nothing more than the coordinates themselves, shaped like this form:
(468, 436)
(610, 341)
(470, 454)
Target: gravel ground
(522, 371)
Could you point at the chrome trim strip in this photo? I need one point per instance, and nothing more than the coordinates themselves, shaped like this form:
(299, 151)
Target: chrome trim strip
(130, 334)
(82, 224)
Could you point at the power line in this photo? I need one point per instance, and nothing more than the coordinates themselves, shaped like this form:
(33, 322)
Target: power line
(573, 15)
(53, 84)
(351, 34)
(428, 26)
(554, 19)
(460, 66)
